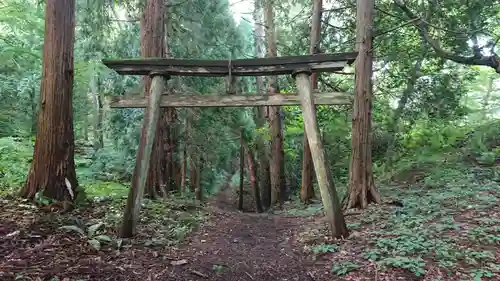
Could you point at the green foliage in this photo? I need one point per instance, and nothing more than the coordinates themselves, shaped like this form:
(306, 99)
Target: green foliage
(325, 248)
(344, 268)
(15, 158)
(94, 235)
(428, 227)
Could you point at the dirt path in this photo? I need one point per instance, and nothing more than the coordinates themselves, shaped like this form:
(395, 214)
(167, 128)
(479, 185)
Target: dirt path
(229, 246)
(241, 246)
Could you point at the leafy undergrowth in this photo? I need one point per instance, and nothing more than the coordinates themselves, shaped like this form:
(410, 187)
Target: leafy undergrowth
(84, 243)
(15, 158)
(448, 229)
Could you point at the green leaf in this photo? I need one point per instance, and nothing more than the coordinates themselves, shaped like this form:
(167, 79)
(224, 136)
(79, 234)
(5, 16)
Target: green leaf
(95, 244)
(73, 228)
(92, 230)
(119, 243)
(104, 238)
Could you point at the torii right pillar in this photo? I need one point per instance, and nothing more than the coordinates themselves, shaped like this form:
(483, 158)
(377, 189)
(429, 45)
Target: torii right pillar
(331, 203)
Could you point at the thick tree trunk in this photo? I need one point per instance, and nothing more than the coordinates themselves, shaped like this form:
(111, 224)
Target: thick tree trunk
(153, 45)
(260, 112)
(253, 180)
(53, 168)
(307, 188)
(277, 152)
(362, 189)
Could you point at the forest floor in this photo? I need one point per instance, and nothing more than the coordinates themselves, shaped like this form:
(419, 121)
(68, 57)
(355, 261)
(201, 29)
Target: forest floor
(447, 231)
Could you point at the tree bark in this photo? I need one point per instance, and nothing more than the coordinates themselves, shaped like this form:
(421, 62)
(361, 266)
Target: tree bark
(277, 166)
(153, 45)
(170, 148)
(53, 168)
(253, 180)
(198, 192)
(260, 112)
(98, 134)
(362, 189)
(193, 172)
(242, 172)
(184, 161)
(307, 188)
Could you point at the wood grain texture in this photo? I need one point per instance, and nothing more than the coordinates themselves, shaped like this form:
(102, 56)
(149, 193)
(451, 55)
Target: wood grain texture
(240, 67)
(326, 185)
(333, 98)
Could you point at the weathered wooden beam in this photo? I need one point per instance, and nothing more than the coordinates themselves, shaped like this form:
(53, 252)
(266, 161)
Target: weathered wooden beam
(229, 100)
(240, 67)
(143, 156)
(331, 203)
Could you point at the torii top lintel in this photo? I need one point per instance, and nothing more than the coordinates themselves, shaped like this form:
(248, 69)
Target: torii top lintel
(239, 67)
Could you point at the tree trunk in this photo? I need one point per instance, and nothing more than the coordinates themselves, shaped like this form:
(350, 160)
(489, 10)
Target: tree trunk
(362, 189)
(254, 181)
(277, 152)
(170, 147)
(242, 172)
(198, 192)
(53, 168)
(307, 188)
(260, 112)
(184, 158)
(193, 172)
(153, 45)
(98, 134)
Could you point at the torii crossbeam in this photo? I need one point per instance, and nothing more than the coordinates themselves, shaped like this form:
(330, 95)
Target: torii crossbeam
(300, 67)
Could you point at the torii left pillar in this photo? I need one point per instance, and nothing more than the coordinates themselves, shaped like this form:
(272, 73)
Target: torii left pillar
(143, 156)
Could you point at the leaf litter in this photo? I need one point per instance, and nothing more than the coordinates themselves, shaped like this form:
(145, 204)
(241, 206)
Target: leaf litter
(424, 240)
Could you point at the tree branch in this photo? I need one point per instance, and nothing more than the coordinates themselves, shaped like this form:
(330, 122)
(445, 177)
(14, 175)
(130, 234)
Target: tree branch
(492, 61)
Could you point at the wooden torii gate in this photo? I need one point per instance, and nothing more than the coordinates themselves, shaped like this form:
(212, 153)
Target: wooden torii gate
(300, 67)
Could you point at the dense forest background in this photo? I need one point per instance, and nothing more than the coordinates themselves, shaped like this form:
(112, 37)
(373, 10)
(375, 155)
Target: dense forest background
(436, 97)
(425, 107)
